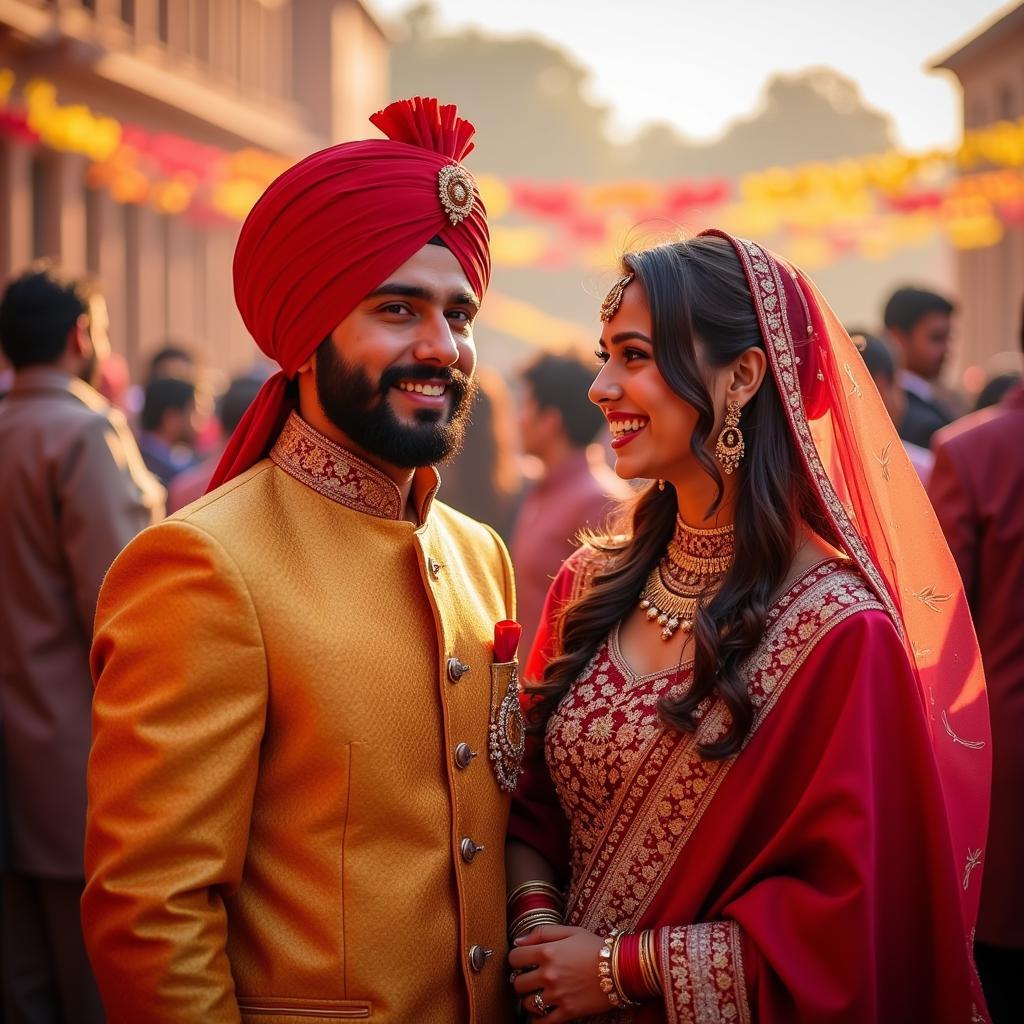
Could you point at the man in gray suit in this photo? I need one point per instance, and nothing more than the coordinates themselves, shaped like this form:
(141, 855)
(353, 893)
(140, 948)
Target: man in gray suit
(73, 492)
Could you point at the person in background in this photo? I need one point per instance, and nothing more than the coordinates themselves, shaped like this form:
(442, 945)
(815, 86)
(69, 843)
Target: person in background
(168, 428)
(977, 490)
(919, 322)
(172, 359)
(557, 422)
(881, 365)
(75, 492)
(995, 389)
(191, 483)
(483, 479)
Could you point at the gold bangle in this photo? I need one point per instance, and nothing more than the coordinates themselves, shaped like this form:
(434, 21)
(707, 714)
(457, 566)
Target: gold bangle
(530, 920)
(649, 962)
(534, 886)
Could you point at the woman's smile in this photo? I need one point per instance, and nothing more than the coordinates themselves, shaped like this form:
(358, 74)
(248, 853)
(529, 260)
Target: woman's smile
(625, 426)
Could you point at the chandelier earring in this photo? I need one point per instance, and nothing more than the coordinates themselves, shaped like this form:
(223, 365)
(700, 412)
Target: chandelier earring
(730, 446)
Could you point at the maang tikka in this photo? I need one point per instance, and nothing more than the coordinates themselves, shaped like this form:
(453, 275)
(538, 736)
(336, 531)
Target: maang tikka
(729, 447)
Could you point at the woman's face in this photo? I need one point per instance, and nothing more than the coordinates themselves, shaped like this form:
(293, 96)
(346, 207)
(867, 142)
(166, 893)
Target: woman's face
(650, 424)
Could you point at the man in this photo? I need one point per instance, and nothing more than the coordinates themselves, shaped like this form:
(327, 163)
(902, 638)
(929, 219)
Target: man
(920, 323)
(172, 359)
(878, 358)
(74, 493)
(977, 489)
(168, 427)
(294, 806)
(191, 483)
(557, 422)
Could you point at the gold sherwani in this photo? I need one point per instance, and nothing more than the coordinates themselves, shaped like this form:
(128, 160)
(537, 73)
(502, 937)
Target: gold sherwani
(284, 805)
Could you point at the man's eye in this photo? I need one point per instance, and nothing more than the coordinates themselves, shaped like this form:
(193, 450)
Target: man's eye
(460, 315)
(395, 307)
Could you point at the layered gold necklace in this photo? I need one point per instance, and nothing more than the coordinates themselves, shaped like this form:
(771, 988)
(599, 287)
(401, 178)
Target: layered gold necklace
(687, 576)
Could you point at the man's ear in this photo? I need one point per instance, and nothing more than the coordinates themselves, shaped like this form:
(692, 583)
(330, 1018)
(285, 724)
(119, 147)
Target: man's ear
(79, 343)
(308, 366)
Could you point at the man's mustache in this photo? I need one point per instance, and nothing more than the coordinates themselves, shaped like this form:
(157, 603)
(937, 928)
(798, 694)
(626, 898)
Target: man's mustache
(455, 380)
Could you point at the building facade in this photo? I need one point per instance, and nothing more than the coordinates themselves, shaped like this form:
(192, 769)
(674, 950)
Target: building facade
(990, 68)
(192, 84)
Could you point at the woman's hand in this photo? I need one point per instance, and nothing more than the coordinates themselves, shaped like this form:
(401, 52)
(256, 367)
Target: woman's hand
(560, 963)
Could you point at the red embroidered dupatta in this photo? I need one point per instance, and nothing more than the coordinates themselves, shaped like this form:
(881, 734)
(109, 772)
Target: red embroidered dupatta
(830, 870)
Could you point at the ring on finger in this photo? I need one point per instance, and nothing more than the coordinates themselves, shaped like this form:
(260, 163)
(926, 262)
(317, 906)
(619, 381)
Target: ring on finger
(537, 1002)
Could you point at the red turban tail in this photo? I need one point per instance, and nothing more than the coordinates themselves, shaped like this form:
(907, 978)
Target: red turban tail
(330, 230)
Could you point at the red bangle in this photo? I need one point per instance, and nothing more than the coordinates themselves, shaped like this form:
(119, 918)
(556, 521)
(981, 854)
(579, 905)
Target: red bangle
(630, 971)
(533, 901)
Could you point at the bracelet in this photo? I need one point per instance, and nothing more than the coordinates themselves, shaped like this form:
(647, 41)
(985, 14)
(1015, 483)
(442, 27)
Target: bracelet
(532, 887)
(649, 968)
(527, 922)
(634, 966)
(532, 904)
(608, 974)
(627, 966)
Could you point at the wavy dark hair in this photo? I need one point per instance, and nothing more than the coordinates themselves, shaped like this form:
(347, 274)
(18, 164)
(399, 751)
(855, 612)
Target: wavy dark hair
(697, 291)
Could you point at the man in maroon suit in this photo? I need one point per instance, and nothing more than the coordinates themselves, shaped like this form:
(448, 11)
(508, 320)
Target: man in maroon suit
(977, 488)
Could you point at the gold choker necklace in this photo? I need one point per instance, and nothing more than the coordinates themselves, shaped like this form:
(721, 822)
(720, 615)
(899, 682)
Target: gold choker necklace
(689, 572)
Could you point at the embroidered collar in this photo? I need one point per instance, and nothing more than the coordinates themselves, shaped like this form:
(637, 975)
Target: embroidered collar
(334, 472)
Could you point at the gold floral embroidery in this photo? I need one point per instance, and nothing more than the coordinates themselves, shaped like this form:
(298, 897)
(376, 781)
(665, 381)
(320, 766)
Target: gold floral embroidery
(854, 386)
(929, 596)
(883, 460)
(702, 972)
(330, 470)
(632, 790)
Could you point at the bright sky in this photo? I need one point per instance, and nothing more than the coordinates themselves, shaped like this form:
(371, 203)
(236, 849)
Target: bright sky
(701, 63)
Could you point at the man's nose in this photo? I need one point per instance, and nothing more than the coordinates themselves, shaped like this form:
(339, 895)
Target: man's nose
(435, 342)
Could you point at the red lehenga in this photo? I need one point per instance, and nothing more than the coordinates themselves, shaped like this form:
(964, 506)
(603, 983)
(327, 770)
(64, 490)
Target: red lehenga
(830, 870)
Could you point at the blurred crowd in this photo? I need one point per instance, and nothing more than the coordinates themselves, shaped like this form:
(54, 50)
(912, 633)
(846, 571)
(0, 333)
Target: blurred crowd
(88, 457)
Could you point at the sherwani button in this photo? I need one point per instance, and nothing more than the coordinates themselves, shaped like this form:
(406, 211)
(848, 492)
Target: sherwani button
(464, 755)
(435, 567)
(478, 956)
(469, 849)
(456, 669)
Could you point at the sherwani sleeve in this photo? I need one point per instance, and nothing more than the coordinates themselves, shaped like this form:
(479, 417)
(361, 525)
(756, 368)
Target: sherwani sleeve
(179, 711)
(950, 493)
(106, 497)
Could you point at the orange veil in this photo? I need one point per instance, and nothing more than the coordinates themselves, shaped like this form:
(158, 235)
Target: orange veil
(876, 503)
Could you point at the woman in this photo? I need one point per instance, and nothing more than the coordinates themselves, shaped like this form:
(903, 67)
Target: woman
(757, 782)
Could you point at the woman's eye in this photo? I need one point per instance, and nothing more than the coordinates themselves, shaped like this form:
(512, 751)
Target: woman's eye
(632, 354)
(602, 356)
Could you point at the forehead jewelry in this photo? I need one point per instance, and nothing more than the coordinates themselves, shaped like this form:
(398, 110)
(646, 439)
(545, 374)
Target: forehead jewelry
(613, 299)
(455, 187)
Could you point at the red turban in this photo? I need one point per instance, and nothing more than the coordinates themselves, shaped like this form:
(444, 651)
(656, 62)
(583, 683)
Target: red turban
(331, 229)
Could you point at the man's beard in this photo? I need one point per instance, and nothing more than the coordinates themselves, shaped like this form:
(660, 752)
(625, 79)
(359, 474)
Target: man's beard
(361, 410)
